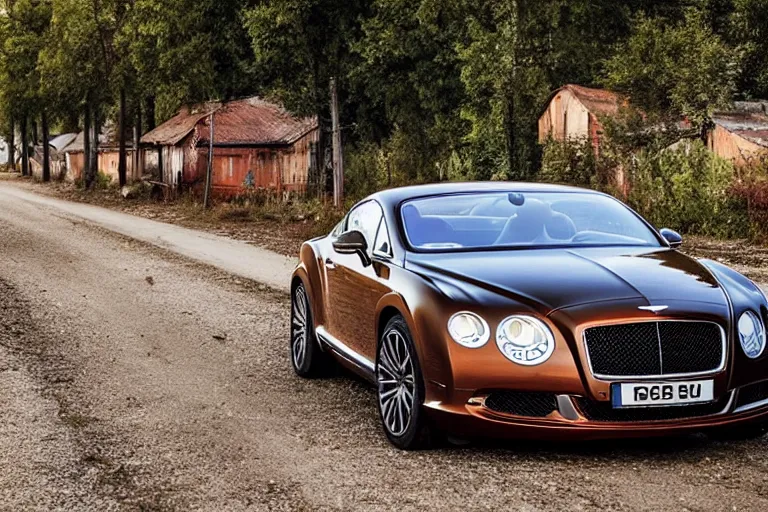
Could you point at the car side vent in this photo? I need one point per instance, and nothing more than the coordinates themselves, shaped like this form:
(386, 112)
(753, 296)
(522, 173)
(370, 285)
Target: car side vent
(752, 394)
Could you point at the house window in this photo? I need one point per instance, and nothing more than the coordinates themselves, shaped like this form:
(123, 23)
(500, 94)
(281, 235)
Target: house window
(231, 167)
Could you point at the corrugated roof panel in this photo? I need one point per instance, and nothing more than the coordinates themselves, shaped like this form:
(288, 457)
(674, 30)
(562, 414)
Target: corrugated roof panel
(250, 121)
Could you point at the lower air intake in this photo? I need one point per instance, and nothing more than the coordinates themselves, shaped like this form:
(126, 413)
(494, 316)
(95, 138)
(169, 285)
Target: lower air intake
(522, 403)
(604, 412)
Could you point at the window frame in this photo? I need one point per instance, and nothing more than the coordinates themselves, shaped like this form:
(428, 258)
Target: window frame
(376, 252)
(371, 251)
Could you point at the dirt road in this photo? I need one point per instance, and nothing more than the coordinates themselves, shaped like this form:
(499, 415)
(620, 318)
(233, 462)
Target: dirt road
(132, 379)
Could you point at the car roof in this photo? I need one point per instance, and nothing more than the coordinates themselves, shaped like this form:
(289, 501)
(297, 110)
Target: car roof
(394, 196)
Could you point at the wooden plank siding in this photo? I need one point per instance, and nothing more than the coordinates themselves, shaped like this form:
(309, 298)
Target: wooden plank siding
(282, 169)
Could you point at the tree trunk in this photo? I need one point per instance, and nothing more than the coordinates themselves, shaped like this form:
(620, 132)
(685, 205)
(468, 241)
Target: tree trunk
(122, 162)
(137, 167)
(338, 154)
(509, 132)
(24, 147)
(34, 132)
(150, 113)
(46, 149)
(12, 146)
(84, 172)
(93, 170)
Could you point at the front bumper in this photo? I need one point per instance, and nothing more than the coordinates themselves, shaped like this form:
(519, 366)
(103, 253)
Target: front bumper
(567, 422)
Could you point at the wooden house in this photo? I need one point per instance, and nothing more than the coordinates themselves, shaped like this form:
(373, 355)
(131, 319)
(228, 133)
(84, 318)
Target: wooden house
(256, 145)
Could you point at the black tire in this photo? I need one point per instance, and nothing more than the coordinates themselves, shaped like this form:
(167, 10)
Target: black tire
(393, 389)
(739, 433)
(307, 359)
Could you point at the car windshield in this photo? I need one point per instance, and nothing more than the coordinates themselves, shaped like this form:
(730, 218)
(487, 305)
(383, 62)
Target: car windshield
(522, 220)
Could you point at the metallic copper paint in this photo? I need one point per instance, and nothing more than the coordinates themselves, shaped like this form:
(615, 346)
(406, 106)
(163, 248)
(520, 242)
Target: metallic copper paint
(569, 290)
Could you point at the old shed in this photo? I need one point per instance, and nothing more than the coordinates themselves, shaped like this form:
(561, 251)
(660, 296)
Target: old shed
(109, 156)
(257, 145)
(741, 133)
(57, 157)
(574, 112)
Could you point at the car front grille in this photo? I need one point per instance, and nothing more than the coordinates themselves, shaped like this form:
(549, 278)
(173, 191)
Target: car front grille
(655, 348)
(752, 394)
(605, 413)
(522, 403)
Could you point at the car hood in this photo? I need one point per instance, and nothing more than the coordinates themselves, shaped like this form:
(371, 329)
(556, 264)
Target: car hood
(551, 279)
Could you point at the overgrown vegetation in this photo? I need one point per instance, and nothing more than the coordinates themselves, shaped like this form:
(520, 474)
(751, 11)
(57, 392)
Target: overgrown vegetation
(430, 90)
(684, 187)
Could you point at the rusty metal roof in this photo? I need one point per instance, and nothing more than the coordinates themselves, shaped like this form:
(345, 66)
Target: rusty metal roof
(747, 119)
(250, 121)
(597, 101)
(107, 140)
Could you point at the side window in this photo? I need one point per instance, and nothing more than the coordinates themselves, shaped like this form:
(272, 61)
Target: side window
(382, 245)
(366, 218)
(338, 229)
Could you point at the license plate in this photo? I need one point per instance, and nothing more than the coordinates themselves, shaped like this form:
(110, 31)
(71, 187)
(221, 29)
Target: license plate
(651, 394)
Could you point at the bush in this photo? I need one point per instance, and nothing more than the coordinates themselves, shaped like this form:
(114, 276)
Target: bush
(687, 189)
(569, 162)
(751, 186)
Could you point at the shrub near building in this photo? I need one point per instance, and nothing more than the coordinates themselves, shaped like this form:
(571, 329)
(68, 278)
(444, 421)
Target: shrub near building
(687, 188)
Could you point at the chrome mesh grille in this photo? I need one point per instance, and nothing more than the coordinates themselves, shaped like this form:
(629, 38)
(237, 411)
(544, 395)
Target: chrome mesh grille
(752, 394)
(654, 348)
(522, 403)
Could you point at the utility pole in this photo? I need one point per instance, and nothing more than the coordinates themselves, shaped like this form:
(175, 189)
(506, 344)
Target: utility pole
(209, 173)
(338, 156)
(122, 159)
(46, 148)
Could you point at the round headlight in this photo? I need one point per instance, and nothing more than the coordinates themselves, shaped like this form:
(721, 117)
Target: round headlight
(468, 330)
(752, 334)
(525, 340)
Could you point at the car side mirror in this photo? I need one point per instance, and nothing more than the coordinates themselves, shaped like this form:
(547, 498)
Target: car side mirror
(353, 242)
(673, 237)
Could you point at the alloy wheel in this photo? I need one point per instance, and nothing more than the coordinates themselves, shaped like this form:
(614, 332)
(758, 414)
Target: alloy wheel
(299, 327)
(396, 383)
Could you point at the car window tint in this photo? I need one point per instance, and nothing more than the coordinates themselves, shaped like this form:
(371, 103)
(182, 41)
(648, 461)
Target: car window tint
(365, 218)
(532, 219)
(382, 245)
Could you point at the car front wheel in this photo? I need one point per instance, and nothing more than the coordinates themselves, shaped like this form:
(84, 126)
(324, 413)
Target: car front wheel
(400, 388)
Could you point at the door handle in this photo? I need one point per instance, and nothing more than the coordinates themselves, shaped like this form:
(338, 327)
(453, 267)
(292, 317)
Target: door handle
(329, 264)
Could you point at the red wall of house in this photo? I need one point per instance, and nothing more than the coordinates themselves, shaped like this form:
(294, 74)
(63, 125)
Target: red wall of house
(282, 169)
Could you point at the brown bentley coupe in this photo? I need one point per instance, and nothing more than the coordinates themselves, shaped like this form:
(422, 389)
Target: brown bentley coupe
(529, 310)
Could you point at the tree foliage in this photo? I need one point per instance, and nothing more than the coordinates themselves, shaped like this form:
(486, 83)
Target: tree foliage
(675, 68)
(430, 89)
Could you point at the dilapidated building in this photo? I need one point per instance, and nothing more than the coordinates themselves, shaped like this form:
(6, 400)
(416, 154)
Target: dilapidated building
(256, 145)
(741, 133)
(109, 156)
(573, 112)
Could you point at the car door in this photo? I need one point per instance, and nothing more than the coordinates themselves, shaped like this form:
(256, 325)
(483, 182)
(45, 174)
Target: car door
(354, 289)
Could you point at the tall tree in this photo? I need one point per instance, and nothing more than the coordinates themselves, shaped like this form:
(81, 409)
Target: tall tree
(749, 32)
(299, 45)
(675, 69)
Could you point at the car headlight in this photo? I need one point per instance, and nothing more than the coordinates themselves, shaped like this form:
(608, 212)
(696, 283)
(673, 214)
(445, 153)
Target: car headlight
(468, 330)
(525, 340)
(751, 334)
